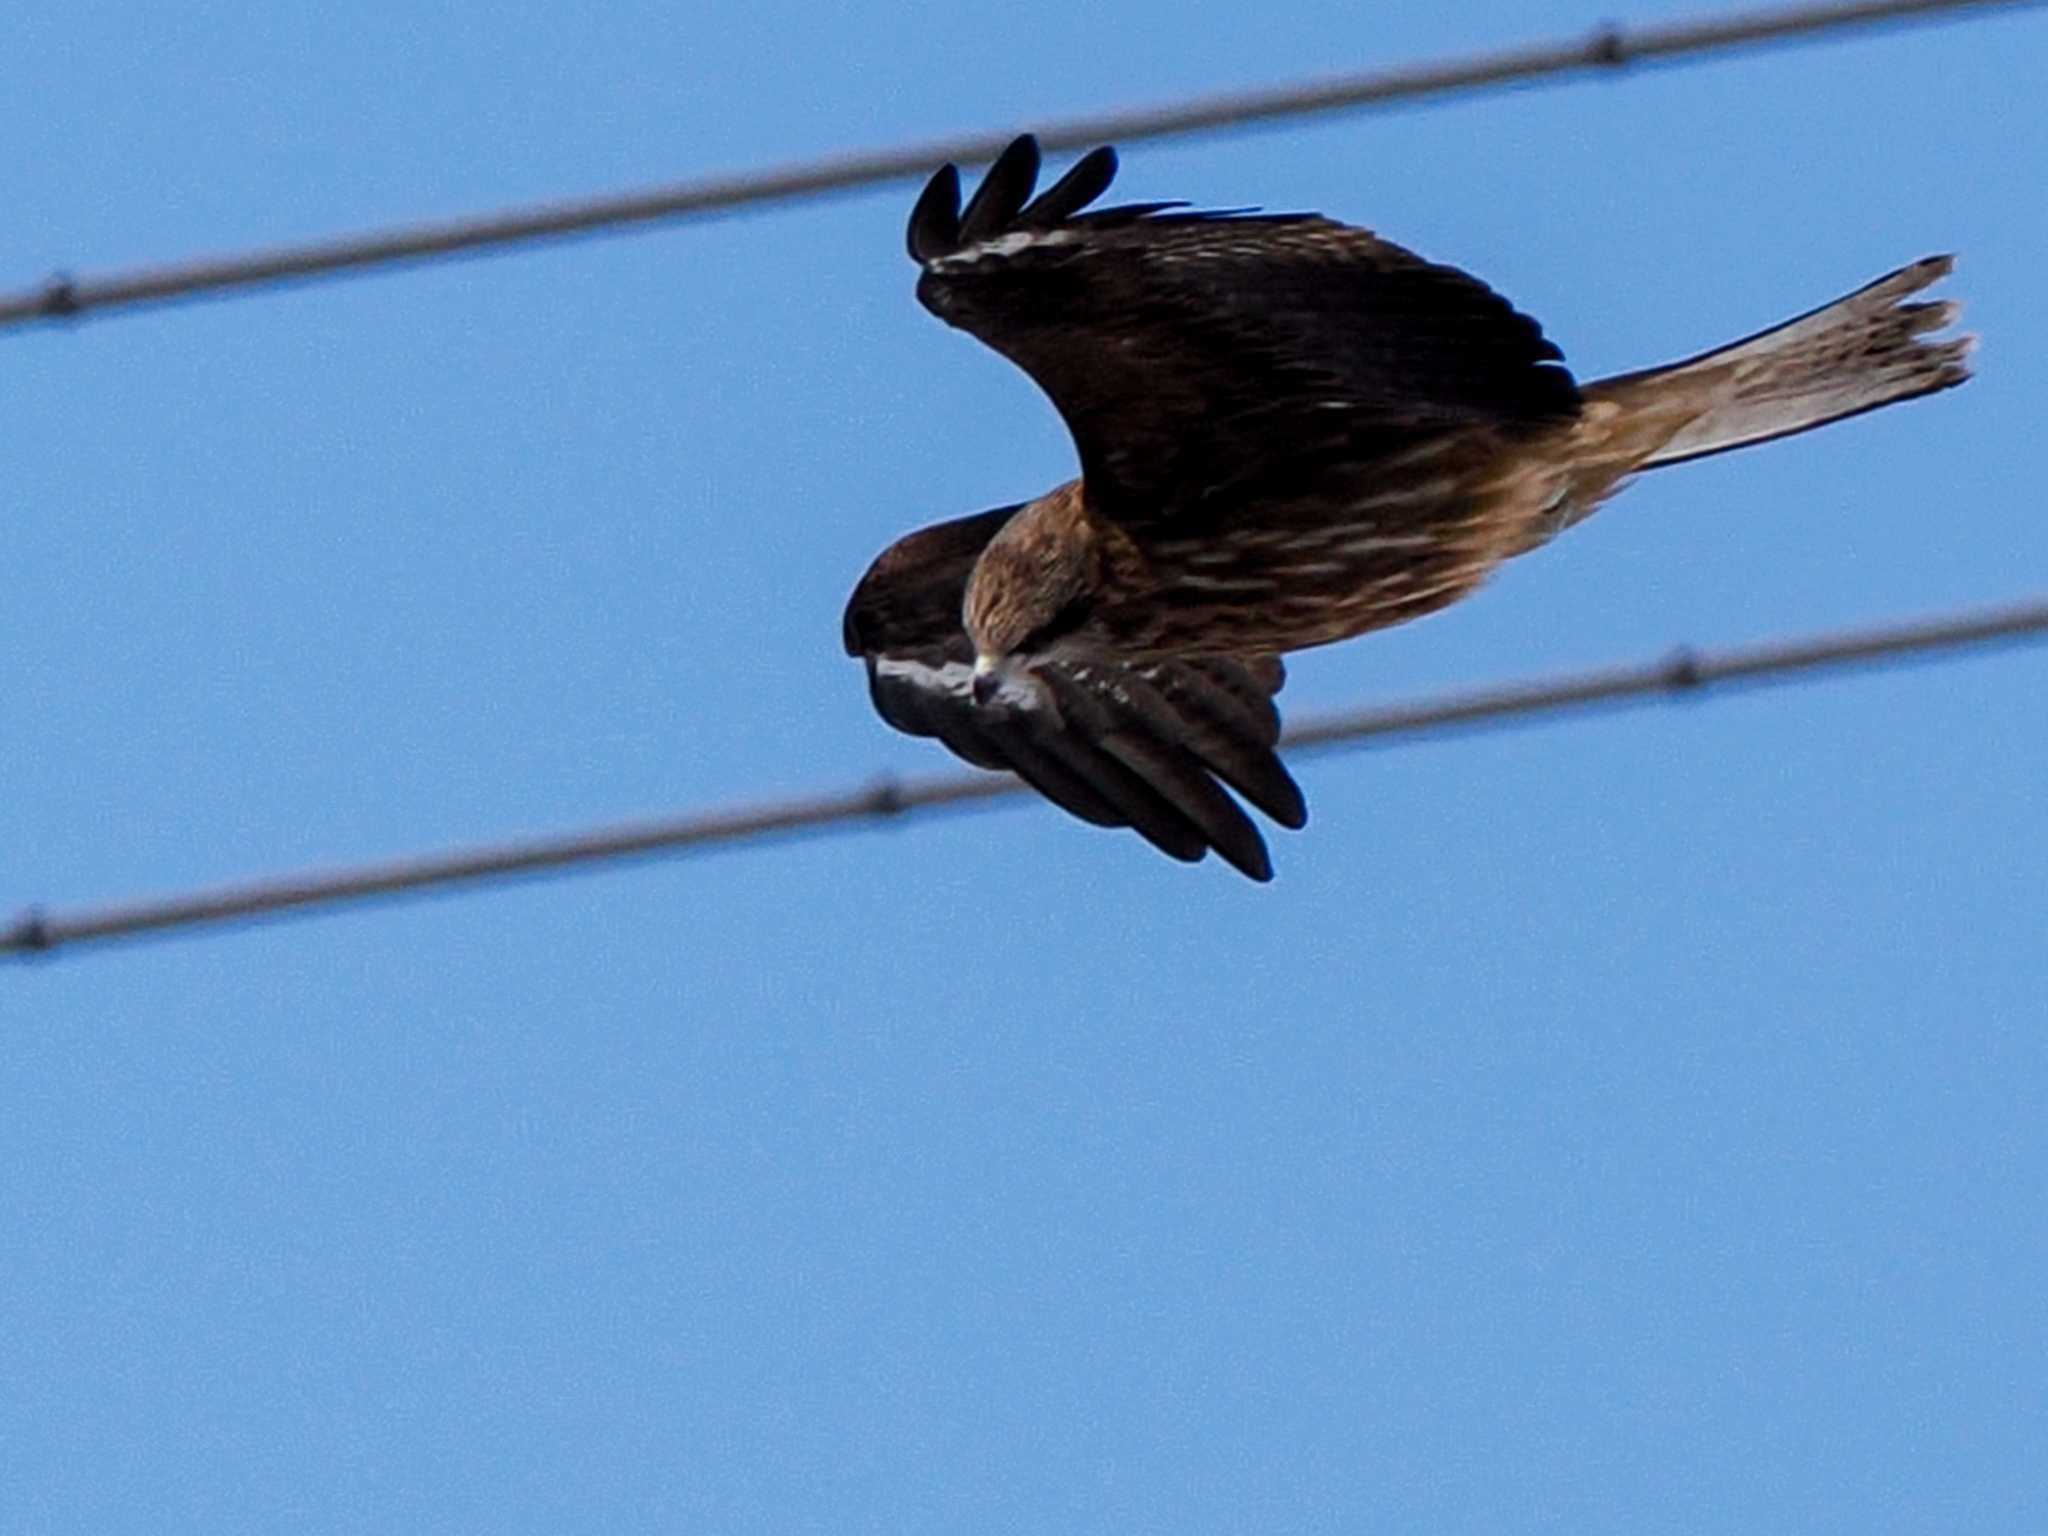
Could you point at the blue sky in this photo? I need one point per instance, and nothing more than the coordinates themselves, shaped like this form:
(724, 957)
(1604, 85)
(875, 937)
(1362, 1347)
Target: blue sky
(1627, 1125)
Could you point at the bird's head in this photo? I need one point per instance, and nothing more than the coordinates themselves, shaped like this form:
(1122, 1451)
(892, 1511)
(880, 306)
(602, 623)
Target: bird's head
(1032, 585)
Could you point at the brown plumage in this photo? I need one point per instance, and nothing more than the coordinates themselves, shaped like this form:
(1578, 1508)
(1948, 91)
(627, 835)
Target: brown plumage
(1290, 432)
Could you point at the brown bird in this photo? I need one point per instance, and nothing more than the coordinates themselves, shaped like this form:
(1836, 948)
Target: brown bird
(1290, 432)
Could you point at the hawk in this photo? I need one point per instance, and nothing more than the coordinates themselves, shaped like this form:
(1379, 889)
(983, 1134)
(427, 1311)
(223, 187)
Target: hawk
(1290, 432)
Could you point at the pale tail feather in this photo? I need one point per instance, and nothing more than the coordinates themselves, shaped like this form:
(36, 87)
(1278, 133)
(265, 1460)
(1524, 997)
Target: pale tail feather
(1851, 356)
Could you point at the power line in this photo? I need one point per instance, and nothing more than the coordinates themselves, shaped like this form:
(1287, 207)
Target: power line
(1686, 671)
(1609, 47)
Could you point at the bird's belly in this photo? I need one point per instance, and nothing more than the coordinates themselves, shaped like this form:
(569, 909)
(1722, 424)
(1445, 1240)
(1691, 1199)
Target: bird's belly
(1288, 590)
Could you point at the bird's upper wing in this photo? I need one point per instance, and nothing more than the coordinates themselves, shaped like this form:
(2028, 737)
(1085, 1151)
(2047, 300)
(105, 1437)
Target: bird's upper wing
(1198, 354)
(1145, 745)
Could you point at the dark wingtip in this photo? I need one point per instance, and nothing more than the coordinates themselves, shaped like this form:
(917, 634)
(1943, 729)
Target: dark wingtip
(1003, 191)
(934, 228)
(1252, 861)
(940, 227)
(1086, 180)
(1291, 812)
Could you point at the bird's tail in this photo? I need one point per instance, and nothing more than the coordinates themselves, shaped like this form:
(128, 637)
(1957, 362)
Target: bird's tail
(1851, 356)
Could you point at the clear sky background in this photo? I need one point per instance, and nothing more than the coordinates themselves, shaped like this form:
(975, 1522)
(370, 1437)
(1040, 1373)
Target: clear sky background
(1628, 1125)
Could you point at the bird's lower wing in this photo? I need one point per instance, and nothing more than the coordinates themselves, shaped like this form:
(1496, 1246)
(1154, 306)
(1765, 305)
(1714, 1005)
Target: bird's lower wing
(1116, 744)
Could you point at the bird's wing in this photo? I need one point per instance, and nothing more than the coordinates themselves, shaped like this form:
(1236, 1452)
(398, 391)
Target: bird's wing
(1196, 354)
(1148, 745)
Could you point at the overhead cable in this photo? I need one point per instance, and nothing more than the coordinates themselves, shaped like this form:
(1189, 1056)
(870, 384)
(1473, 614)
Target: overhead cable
(1685, 672)
(67, 297)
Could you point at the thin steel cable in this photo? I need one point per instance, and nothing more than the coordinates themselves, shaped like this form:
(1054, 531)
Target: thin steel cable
(1609, 47)
(39, 931)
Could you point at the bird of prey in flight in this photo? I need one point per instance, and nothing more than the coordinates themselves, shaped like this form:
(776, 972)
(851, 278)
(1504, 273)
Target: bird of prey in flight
(1290, 432)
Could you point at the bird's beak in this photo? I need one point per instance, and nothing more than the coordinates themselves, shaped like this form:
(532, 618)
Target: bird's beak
(987, 681)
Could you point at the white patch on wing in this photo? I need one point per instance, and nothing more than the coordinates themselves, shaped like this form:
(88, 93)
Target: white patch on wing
(955, 680)
(1001, 247)
(1019, 689)
(955, 677)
